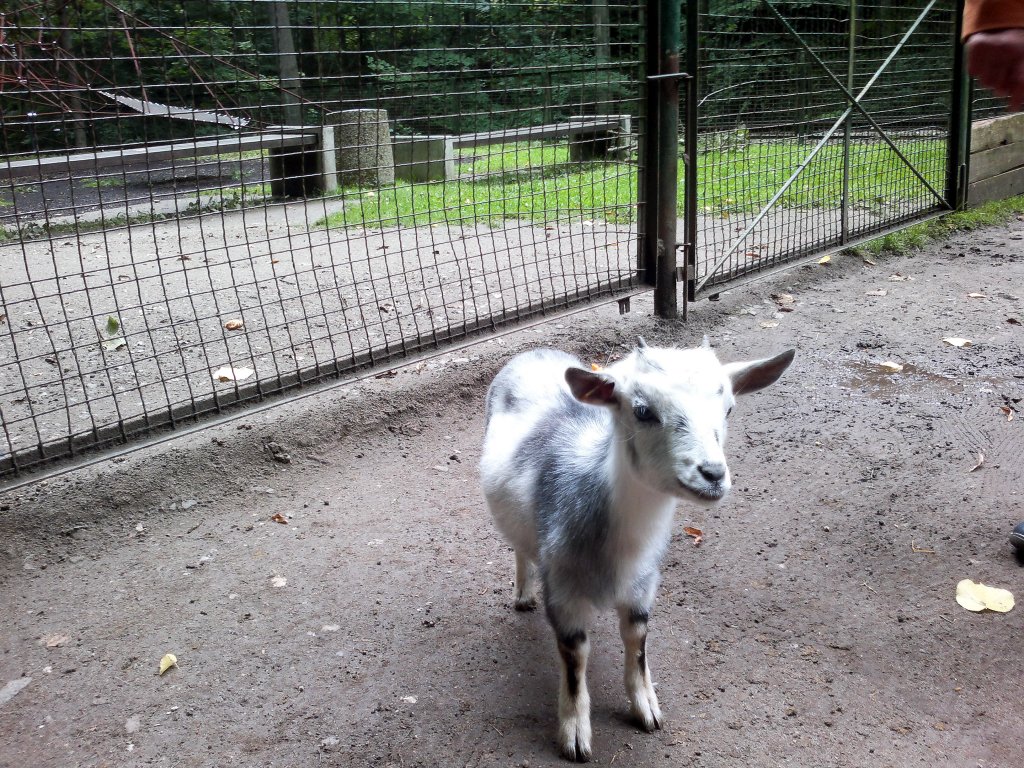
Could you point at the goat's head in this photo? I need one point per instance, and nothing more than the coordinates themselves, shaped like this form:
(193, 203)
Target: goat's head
(670, 408)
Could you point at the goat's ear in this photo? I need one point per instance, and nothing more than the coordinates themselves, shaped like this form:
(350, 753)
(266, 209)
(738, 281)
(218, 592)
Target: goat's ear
(705, 342)
(758, 374)
(591, 387)
(641, 343)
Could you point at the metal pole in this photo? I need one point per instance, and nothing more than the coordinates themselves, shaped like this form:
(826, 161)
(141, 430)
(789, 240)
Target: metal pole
(844, 233)
(690, 129)
(648, 171)
(959, 122)
(665, 301)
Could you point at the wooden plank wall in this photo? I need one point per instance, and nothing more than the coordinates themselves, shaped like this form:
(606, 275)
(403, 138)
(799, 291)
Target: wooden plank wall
(997, 159)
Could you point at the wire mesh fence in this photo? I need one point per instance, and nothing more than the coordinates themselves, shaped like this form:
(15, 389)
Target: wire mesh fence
(208, 203)
(782, 174)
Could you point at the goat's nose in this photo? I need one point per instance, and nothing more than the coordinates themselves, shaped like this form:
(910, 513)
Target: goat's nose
(713, 472)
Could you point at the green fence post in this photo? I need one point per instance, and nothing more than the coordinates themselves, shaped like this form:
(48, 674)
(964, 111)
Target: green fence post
(670, 22)
(958, 164)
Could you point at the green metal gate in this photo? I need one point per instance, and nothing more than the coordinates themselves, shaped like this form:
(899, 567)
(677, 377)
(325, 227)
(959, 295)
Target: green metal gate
(820, 125)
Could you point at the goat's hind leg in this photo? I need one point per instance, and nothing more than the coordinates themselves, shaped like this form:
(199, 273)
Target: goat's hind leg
(642, 699)
(526, 583)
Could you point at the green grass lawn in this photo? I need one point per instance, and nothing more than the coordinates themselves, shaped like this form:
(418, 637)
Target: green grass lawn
(537, 182)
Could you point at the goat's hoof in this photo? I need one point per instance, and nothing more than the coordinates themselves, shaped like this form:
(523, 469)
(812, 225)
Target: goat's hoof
(575, 740)
(577, 752)
(526, 603)
(647, 712)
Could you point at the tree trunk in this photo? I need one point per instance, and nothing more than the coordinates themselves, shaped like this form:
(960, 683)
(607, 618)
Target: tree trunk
(68, 72)
(287, 63)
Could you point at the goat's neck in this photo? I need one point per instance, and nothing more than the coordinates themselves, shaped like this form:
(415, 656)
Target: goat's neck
(631, 498)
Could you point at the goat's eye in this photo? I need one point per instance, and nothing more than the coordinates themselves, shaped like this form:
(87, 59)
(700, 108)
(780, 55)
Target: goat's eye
(644, 414)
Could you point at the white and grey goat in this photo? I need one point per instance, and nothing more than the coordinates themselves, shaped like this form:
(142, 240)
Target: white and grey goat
(582, 469)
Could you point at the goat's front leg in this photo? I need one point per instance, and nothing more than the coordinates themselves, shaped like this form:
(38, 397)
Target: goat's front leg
(573, 697)
(642, 700)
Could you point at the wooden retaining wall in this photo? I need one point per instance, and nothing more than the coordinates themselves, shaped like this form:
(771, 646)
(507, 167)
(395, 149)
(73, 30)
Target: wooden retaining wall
(997, 159)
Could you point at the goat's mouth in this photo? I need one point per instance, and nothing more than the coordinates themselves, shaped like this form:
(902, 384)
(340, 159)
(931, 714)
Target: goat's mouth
(705, 492)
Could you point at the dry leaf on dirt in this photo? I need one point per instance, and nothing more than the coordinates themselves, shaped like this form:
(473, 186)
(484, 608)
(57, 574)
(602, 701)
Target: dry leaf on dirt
(54, 640)
(595, 367)
(898, 278)
(976, 296)
(385, 308)
(825, 260)
(278, 581)
(1007, 411)
(230, 373)
(409, 699)
(387, 374)
(783, 299)
(879, 292)
(869, 262)
(696, 533)
(956, 341)
(1013, 321)
(889, 365)
(169, 660)
(277, 517)
(770, 324)
(978, 597)
(233, 325)
(981, 461)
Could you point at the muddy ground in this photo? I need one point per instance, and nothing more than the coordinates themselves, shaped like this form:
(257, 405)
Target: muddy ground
(815, 625)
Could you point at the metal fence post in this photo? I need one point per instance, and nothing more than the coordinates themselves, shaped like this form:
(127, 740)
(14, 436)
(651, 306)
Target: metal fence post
(648, 171)
(844, 232)
(665, 302)
(957, 169)
(690, 150)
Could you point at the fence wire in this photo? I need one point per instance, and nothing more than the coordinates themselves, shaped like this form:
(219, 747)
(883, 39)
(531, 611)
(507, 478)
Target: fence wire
(203, 204)
(775, 184)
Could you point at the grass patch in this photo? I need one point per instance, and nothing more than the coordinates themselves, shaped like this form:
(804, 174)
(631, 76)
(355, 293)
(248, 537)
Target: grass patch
(917, 236)
(537, 182)
(103, 182)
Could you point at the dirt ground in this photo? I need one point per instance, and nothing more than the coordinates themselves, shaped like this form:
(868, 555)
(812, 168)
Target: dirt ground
(815, 625)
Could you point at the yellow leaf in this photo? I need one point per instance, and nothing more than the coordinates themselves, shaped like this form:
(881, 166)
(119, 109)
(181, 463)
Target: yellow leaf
(169, 660)
(825, 259)
(595, 367)
(979, 597)
(233, 325)
(889, 365)
(956, 341)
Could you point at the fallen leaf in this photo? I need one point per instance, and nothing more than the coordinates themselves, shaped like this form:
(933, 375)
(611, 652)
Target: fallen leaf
(898, 278)
(976, 296)
(230, 373)
(1013, 321)
(278, 581)
(54, 640)
(112, 345)
(783, 299)
(869, 262)
(385, 308)
(889, 365)
(770, 324)
(233, 325)
(981, 461)
(825, 259)
(752, 255)
(1007, 411)
(879, 292)
(696, 533)
(169, 660)
(387, 375)
(277, 517)
(979, 597)
(113, 325)
(596, 367)
(409, 699)
(957, 342)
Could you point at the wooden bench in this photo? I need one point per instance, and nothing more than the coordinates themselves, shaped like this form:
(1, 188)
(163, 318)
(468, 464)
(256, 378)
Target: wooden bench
(433, 157)
(301, 162)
